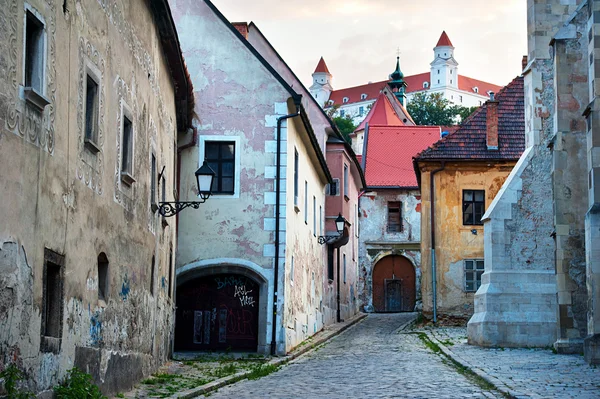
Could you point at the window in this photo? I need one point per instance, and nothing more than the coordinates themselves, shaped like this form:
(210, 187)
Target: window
(450, 81)
(363, 96)
(153, 180)
(52, 301)
(320, 220)
(127, 152)
(91, 114)
(163, 189)
(102, 277)
(474, 268)
(425, 85)
(334, 187)
(438, 71)
(171, 273)
(460, 98)
(295, 177)
(329, 262)
(438, 81)
(394, 217)
(220, 156)
(344, 257)
(473, 207)
(476, 89)
(34, 53)
(342, 113)
(451, 72)
(345, 100)
(361, 111)
(314, 216)
(152, 267)
(305, 202)
(345, 181)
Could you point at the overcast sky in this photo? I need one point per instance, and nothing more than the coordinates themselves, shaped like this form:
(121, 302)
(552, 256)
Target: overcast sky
(359, 38)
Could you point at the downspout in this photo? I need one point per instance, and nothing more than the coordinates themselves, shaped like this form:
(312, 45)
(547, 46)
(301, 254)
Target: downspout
(338, 313)
(433, 265)
(277, 217)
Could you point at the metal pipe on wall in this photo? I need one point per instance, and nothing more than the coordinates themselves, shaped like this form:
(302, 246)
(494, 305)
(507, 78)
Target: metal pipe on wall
(432, 218)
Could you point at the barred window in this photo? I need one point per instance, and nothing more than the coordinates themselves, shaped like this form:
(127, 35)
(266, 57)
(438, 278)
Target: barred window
(474, 268)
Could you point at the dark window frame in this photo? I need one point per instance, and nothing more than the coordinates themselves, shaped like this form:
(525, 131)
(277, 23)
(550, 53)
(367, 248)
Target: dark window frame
(34, 43)
(296, 164)
(472, 209)
(92, 109)
(52, 307)
(217, 163)
(393, 225)
(103, 277)
(330, 257)
(473, 269)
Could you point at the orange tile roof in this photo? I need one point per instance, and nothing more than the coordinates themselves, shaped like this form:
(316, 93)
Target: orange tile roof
(444, 40)
(390, 150)
(414, 82)
(321, 67)
(381, 113)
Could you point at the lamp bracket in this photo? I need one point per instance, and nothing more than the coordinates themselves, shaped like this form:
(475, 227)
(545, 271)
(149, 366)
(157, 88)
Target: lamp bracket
(327, 239)
(168, 209)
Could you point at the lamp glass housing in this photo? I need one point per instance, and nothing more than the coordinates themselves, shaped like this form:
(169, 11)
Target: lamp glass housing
(204, 178)
(339, 223)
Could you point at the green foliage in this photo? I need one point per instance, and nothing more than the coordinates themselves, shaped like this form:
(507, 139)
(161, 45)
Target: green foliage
(345, 125)
(12, 376)
(434, 109)
(78, 385)
(262, 370)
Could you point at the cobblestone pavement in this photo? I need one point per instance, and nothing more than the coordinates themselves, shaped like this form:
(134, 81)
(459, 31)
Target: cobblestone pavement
(529, 373)
(370, 360)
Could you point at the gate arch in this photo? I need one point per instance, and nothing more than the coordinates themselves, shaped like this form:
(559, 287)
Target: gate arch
(394, 285)
(222, 304)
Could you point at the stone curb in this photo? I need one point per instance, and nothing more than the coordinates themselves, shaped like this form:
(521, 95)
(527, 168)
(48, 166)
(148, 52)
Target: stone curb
(497, 383)
(214, 385)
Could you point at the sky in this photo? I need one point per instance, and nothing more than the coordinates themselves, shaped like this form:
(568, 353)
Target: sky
(359, 39)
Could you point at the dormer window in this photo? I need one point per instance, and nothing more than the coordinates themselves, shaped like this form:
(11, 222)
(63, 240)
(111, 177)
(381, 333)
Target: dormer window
(345, 100)
(425, 85)
(476, 89)
(363, 96)
(330, 102)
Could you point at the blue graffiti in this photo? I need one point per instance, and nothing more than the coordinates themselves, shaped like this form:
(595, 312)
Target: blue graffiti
(95, 329)
(229, 281)
(125, 288)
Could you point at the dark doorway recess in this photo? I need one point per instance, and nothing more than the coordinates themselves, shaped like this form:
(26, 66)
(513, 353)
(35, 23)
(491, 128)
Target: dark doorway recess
(394, 285)
(217, 312)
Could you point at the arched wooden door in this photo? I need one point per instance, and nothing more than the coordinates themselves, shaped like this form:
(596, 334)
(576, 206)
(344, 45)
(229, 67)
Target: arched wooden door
(394, 288)
(217, 312)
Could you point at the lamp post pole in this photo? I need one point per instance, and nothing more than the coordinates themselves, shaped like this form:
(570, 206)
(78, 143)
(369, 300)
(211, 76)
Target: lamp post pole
(339, 318)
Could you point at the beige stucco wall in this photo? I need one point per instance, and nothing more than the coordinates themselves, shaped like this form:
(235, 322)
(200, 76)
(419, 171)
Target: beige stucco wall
(454, 242)
(58, 195)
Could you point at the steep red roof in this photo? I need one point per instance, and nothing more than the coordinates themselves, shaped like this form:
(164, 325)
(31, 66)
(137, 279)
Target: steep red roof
(414, 82)
(321, 67)
(381, 113)
(241, 27)
(390, 150)
(444, 40)
(469, 141)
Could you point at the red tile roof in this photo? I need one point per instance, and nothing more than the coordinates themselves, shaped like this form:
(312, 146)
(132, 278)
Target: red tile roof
(390, 150)
(241, 27)
(414, 82)
(321, 67)
(444, 40)
(468, 142)
(381, 113)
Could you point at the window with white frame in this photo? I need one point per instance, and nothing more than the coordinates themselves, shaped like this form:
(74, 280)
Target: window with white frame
(34, 52)
(344, 258)
(127, 149)
(363, 96)
(305, 202)
(474, 268)
(346, 181)
(425, 85)
(476, 89)
(91, 113)
(361, 111)
(222, 154)
(345, 100)
(342, 112)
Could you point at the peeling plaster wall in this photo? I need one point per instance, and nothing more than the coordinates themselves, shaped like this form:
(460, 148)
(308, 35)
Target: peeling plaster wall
(376, 242)
(62, 197)
(455, 242)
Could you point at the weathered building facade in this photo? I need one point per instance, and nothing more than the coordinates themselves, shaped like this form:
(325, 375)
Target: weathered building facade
(251, 271)
(459, 177)
(390, 213)
(88, 117)
(543, 289)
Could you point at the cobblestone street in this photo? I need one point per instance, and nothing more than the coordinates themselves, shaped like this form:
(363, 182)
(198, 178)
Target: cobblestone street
(370, 360)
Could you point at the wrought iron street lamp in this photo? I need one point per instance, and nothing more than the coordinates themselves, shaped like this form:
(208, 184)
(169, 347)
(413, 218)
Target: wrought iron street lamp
(204, 179)
(339, 226)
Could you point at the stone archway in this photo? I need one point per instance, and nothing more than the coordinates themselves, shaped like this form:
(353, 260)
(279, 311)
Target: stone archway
(394, 285)
(222, 305)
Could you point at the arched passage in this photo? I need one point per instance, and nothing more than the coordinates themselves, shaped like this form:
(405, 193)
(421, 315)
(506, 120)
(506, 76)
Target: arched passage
(394, 288)
(220, 307)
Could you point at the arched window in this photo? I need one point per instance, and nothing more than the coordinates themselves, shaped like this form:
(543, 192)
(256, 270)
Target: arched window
(345, 100)
(476, 89)
(425, 85)
(102, 276)
(363, 96)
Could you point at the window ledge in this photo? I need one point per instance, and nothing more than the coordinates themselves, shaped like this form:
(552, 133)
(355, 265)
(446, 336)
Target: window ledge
(127, 178)
(33, 97)
(91, 145)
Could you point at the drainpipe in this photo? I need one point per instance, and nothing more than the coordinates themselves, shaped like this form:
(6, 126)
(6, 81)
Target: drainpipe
(277, 210)
(433, 266)
(339, 317)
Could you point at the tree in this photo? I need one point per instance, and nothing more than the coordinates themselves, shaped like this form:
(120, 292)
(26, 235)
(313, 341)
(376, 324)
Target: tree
(434, 109)
(345, 126)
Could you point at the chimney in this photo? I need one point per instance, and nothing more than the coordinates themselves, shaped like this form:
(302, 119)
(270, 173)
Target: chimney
(242, 27)
(524, 63)
(492, 123)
